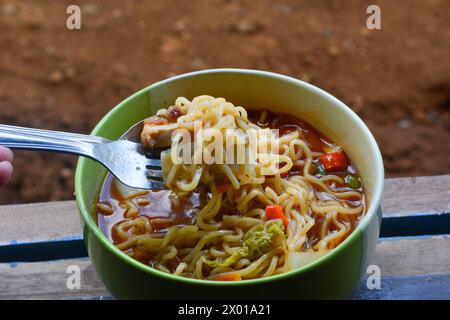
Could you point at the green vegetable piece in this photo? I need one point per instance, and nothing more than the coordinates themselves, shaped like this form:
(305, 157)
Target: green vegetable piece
(320, 170)
(352, 181)
(260, 238)
(242, 252)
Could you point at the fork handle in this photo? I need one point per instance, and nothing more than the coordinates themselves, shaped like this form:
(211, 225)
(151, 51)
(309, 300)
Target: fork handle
(46, 140)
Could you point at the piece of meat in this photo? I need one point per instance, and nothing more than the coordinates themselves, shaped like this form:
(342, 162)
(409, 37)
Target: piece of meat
(156, 121)
(158, 129)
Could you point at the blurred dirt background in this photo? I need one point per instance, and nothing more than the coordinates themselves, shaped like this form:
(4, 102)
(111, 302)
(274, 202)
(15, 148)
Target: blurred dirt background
(397, 78)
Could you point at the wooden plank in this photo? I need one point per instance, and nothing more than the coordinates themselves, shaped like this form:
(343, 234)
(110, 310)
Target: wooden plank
(42, 231)
(39, 222)
(48, 280)
(434, 287)
(410, 268)
(413, 256)
(417, 196)
(417, 205)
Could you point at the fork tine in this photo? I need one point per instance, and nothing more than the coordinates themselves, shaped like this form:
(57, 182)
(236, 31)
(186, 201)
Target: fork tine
(152, 173)
(156, 185)
(152, 178)
(154, 162)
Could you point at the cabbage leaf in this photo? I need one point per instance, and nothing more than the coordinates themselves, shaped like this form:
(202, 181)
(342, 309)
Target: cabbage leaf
(260, 238)
(222, 263)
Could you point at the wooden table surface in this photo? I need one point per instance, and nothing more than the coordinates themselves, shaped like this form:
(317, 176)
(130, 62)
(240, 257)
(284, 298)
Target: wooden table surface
(39, 241)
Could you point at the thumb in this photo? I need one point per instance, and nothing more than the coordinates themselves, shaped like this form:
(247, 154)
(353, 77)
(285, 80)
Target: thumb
(6, 170)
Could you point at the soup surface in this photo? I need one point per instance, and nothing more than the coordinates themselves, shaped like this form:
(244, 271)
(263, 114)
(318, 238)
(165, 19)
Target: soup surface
(235, 221)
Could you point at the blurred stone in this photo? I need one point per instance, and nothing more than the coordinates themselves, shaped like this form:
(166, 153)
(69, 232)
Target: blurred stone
(171, 46)
(421, 117)
(89, 8)
(66, 119)
(358, 103)
(198, 63)
(119, 68)
(180, 25)
(8, 9)
(49, 50)
(327, 32)
(348, 44)
(69, 72)
(364, 31)
(333, 50)
(65, 173)
(56, 77)
(246, 27)
(282, 8)
(433, 116)
(305, 77)
(116, 13)
(404, 124)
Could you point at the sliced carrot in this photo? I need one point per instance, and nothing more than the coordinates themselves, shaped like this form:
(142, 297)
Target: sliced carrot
(334, 161)
(230, 276)
(276, 212)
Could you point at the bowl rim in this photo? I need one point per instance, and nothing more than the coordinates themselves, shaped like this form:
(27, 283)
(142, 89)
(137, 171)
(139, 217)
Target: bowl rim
(372, 209)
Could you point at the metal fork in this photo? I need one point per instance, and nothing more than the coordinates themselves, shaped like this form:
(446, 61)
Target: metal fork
(126, 158)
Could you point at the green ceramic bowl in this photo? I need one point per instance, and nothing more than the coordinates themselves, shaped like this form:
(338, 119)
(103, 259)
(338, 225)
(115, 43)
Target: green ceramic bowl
(332, 277)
